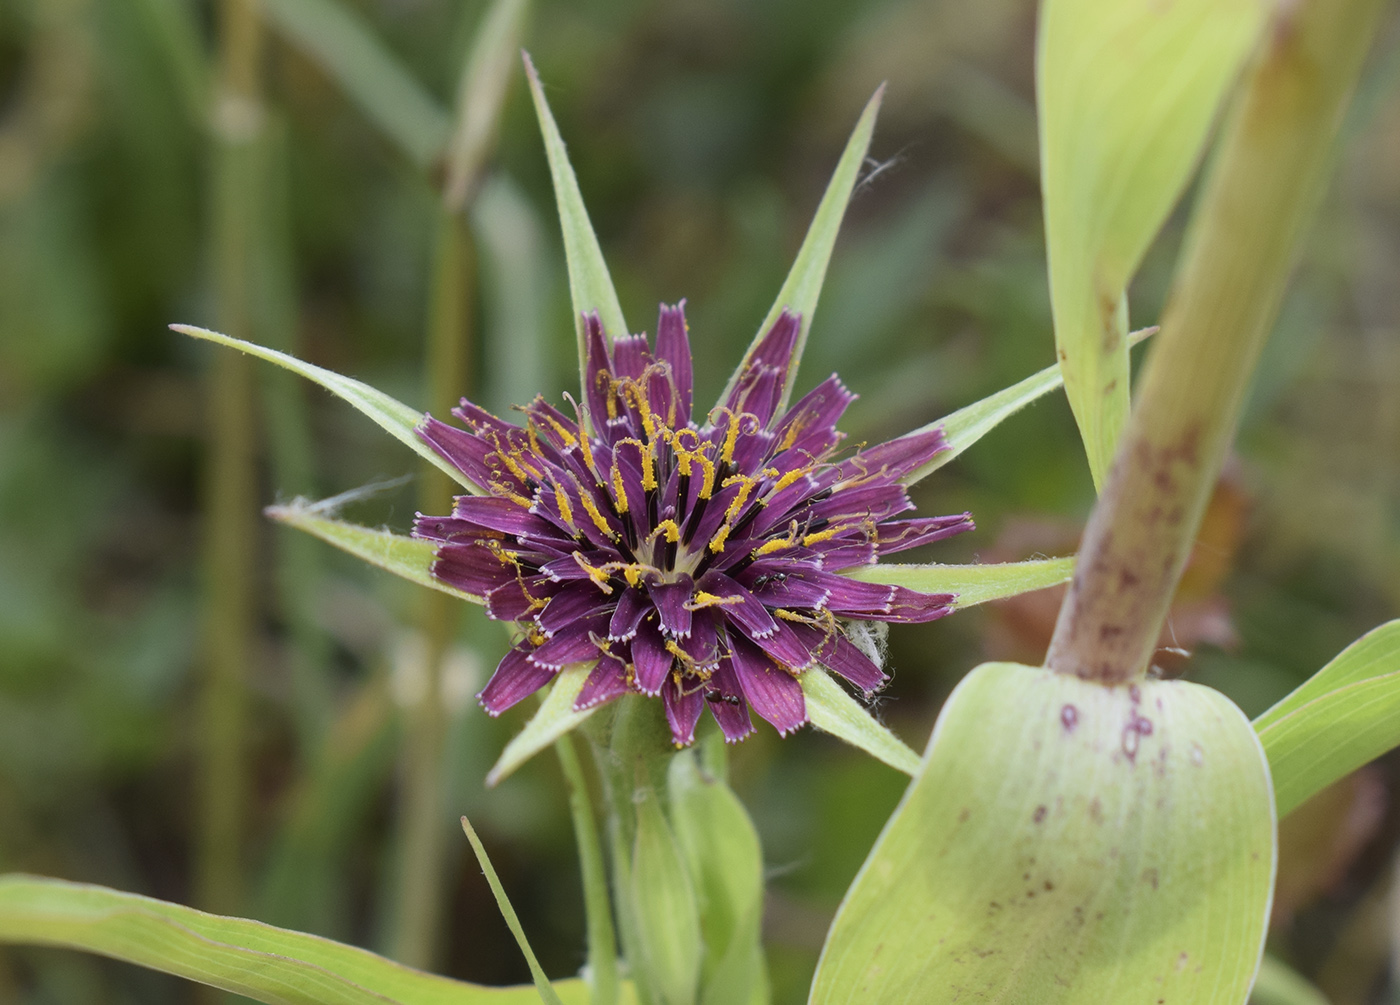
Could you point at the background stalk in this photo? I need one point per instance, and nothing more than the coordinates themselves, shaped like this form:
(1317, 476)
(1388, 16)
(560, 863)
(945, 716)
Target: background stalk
(1268, 174)
(231, 512)
(424, 827)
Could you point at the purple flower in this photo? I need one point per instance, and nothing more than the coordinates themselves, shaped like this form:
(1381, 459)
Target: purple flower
(692, 557)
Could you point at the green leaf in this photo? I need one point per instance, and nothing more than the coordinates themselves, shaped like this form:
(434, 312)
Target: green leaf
(408, 557)
(335, 37)
(663, 903)
(391, 415)
(555, 718)
(1066, 842)
(969, 424)
(1126, 93)
(481, 93)
(590, 285)
(597, 907)
(834, 711)
(804, 282)
(1279, 985)
(542, 985)
(1345, 715)
(972, 584)
(725, 861)
(246, 957)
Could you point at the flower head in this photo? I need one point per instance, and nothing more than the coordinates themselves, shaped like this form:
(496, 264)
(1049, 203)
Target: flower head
(694, 557)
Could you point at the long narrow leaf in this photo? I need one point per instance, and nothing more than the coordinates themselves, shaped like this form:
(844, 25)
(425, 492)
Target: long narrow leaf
(388, 413)
(542, 985)
(246, 957)
(1345, 715)
(555, 718)
(590, 284)
(969, 424)
(973, 584)
(803, 286)
(834, 711)
(333, 35)
(1126, 93)
(408, 557)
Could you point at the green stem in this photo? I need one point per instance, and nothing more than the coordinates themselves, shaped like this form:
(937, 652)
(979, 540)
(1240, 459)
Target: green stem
(1262, 189)
(424, 826)
(602, 940)
(231, 487)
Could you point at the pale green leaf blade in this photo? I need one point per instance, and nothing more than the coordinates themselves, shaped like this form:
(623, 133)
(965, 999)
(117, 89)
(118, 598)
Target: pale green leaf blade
(1345, 715)
(597, 899)
(832, 710)
(590, 284)
(408, 557)
(335, 37)
(542, 985)
(554, 718)
(1278, 984)
(969, 424)
(1062, 843)
(481, 94)
(668, 946)
(1126, 94)
(972, 584)
(391, 415)
(803, 285)
(246, 957)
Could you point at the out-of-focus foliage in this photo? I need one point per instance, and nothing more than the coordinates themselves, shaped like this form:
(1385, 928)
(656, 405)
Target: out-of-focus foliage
(703, 135)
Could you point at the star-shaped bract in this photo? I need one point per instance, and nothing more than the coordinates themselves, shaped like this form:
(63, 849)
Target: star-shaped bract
(693, 557)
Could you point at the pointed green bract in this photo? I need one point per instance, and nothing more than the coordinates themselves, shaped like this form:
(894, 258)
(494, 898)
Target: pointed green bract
(555, 718)
(1066, 842)
(333, 35)
(390, 414)
(590, 285)
(542, 985)
(832, 710)
(972, 584)
(408, 557)
(268, 964)
(1126, 93)
(804, 282)
(969, 424)
(1345, 715)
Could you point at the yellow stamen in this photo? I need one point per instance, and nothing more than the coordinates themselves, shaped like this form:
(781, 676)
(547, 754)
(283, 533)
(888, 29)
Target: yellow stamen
(788, 479)
(768, 547)
(717, 542)
(591, 508)
(563, 431)
(731, 435)
(619, 489)
(703, 599)
(596, 574)
(566, 511)
(668, 527)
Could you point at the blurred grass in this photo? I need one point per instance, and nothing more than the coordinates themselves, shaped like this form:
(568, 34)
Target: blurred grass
(703, 136)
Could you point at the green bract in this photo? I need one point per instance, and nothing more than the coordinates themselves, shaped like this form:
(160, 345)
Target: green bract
(1066, 842)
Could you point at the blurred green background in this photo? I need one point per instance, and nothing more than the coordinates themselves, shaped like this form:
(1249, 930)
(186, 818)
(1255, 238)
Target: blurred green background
(703, 134)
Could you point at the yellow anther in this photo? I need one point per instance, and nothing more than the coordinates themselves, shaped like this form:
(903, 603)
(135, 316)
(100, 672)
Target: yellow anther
(648, 468)
(731, 435)
(708, 485)
(777, 544)
(821, 535)
(670, 528)
(703, 599)
(562, 430)
(619, 489)
(788, 479)
(591, 508)
(633, 574)
(566, 511)
(746, 485)
(534, 438)
(599, 576)
(717, 542)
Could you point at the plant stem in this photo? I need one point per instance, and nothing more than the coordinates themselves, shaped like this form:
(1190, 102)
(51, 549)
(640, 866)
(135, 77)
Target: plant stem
(602, 939)
(231, 487)
(1266, 179)
(424, 827)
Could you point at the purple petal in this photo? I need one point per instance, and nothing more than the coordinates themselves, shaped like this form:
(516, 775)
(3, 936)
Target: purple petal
(833, 650)
(471, 568)
(631, 606)
(504, 515)
(901, 535)
(598, 375)
(740, 606)
(702, 645)
(515, 679)
(777, 584)
(683, 705)
(607, 681)
(875, 500)
(773, 693)
(672, 605)
(630, 356)
(809, 428)
(673, 348)
(784, 647)
(571, 645)
(574, 601)
(773, 354)
(516, 600)
(898, 457)
(725, 696)
(465, 451)
(853, 599)
(651, 660)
